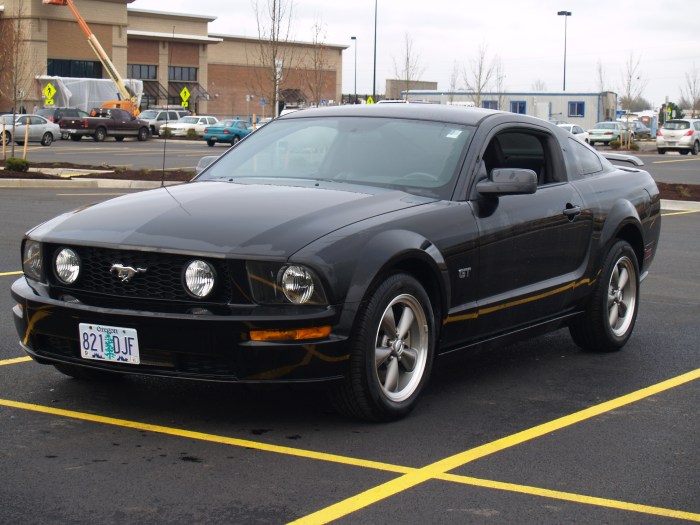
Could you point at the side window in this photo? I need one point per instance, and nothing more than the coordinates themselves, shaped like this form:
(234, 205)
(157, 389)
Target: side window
(586, 161)
(522, 149)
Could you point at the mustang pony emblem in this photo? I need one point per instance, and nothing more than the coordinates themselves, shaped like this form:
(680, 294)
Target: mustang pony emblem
(125, 273)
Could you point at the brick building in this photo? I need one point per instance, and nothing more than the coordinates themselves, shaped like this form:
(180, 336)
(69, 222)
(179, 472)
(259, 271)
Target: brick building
(225, 75)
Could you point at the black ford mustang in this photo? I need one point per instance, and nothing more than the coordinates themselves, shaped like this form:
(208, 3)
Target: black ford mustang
(351, 245)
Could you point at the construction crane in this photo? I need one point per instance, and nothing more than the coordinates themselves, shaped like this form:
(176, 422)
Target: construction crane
(129, 101)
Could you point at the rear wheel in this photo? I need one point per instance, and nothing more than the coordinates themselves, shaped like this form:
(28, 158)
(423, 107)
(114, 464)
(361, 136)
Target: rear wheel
(47, 139)
(100, 134)
(235, 140)
(211, 143)
(391, 352)
(609, 319)
(661, 151)
(6, 137)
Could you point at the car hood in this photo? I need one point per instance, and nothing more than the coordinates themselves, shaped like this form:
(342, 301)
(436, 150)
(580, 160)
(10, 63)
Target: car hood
(224, 218)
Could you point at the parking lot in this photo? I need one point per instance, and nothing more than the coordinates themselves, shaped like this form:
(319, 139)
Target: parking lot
(538, 432)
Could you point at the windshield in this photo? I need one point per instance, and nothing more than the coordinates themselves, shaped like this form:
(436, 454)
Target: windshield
(148, 114)
(416, 156)
(188, 120)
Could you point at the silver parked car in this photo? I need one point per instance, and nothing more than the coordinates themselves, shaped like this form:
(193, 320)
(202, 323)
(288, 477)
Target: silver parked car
(681, 135)
(606, 132)
(40, 129)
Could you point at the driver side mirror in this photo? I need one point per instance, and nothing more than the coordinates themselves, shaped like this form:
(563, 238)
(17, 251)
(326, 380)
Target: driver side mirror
(508, 181)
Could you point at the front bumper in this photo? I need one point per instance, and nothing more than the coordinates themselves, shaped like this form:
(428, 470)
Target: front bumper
(189, 345)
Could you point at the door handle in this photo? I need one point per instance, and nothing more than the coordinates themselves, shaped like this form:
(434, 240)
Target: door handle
(572, 211)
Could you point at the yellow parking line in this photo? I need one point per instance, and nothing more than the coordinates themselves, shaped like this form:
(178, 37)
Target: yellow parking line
(674, 160)
(15, 360)
(5, 274)
(416, 477)
(686, 212)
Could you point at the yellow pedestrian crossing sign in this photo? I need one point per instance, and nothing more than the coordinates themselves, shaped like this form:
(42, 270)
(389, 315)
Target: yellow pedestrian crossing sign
(49, 91)
(370, 100)
(185, 95)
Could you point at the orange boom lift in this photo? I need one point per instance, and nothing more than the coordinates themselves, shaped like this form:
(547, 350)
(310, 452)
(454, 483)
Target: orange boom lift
(129, 101)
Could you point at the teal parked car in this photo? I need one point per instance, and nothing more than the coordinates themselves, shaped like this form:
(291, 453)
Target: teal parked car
(227, 131)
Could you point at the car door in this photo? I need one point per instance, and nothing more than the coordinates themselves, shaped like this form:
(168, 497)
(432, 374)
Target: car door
(531, 247)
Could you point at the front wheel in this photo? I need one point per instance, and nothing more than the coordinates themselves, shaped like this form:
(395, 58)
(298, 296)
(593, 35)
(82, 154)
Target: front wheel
(609, 319)
(391, 352)
(143, 134)
(696, 148)
(47, 139)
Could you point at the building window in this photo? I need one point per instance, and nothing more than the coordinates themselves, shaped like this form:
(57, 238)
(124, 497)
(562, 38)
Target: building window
(73, 68)
(142, 71)
(185, 74)
(577, 109)
(489, 104)
(517, 106)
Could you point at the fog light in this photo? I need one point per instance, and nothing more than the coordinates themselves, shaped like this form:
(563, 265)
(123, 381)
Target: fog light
(67, 266)
(199, 278)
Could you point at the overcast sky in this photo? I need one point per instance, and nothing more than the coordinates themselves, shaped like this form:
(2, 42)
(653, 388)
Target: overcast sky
(527, 36)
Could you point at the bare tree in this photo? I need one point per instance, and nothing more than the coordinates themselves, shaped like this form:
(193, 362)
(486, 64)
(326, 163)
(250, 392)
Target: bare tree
(272, 55)
(690, 98)
(478, 77)
(318, 62)
(454, 78)
(17, 70)
(539, 85)
(602, 82)
(632, 86)
(408, 68)
(499, 82)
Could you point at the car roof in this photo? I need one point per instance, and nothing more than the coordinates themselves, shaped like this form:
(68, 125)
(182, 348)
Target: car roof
(458, 115)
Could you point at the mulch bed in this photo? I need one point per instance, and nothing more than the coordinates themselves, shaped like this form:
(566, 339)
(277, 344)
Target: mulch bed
(689, 192)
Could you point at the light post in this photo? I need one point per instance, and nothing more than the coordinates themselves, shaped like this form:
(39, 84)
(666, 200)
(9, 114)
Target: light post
(354, 40)
(374, 78)
(565, 14)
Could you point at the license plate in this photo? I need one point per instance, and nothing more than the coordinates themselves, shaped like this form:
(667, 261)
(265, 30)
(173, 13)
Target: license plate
(109, 343)
(69, 131)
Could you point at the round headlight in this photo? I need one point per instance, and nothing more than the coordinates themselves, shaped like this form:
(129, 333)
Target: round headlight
(199, 278)
(67, 266)
(297, 284)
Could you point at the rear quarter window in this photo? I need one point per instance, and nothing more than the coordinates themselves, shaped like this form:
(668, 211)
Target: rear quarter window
(585, 161)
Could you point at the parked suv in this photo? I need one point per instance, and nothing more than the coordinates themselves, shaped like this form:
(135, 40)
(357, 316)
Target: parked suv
(681, 135)
(158, 117)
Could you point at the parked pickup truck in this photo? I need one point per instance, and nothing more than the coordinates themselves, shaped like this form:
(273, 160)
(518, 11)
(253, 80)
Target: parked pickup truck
(103, 123)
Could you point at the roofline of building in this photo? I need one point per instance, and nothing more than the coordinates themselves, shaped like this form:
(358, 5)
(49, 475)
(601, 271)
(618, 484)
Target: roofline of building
(509, 93)
(165, 14)
(291, 42)
(172, 37)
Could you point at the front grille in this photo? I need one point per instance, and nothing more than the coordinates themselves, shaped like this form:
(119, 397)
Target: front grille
(161, 281)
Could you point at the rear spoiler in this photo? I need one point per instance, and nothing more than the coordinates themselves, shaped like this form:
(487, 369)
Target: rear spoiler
(619, 157)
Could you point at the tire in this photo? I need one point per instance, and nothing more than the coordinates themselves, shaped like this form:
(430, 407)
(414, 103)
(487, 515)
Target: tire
(47, 139)
(6, 138)
(610, 316)
(119, 139)
(235, 140)
(143, 134)
(696, 148)
(388, 370)
(100, 134)
(661, 151)
(211, 143)
(85, 374)
(75, 138)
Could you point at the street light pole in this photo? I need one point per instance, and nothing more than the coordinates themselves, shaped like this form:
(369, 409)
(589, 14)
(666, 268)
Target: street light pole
(354, 40)
(374, 78)
(565, 14)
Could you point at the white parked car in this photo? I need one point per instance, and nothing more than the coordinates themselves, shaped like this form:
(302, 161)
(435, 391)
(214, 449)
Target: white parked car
(182, 126)
(576, 131)
(40, 129)
(681, 135)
